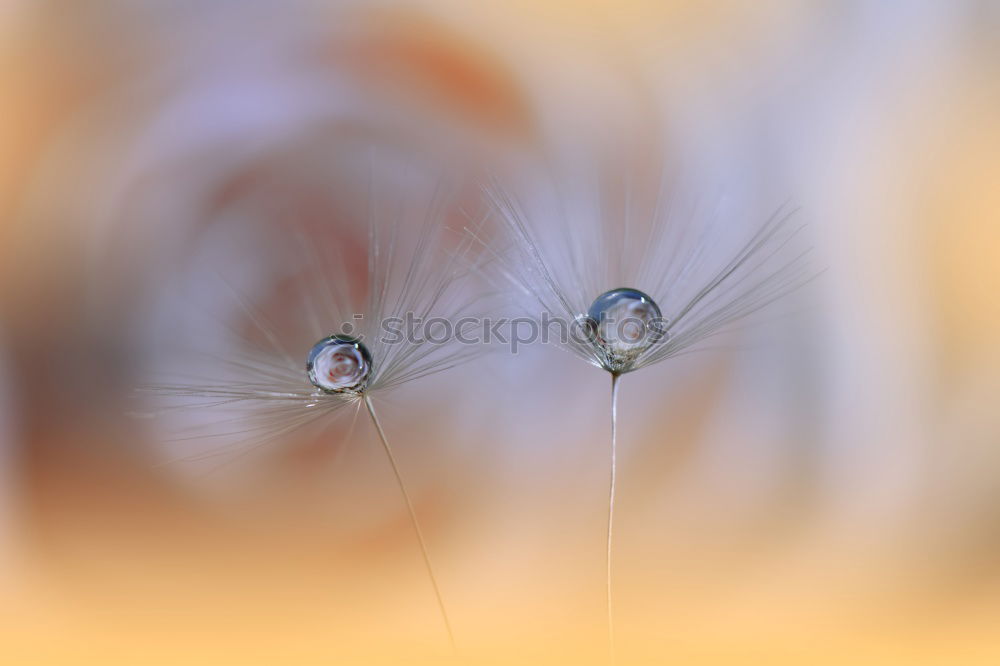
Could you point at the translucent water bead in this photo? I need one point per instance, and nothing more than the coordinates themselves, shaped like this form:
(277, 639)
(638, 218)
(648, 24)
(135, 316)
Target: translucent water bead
(339, 364)
(622, 324)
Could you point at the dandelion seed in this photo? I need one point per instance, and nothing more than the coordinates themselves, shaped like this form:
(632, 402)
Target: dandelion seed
(642, 284)
(265, 392)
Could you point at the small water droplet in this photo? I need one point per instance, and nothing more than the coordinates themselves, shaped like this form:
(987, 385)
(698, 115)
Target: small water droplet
(339, 364)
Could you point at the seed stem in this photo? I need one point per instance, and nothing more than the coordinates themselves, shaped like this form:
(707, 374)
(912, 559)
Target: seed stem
(611, 508)
(413, 518)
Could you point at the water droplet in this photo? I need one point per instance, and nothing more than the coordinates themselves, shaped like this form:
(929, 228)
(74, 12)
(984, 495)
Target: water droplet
(339, 364)
(622, 324)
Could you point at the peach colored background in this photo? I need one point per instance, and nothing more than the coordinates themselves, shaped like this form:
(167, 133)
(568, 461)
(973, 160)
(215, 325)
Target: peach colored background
(829, 496)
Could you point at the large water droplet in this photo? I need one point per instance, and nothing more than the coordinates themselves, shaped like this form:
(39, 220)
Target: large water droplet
(622, 324)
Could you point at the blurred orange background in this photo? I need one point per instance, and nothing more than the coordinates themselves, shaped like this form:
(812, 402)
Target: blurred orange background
(829, 496)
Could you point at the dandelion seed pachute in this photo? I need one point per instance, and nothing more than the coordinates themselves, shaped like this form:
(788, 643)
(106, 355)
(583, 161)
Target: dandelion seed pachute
(704, 268)
(276, 296)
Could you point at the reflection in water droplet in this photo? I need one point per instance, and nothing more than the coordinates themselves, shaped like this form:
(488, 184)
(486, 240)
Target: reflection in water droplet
(622, 324)
(339, 364)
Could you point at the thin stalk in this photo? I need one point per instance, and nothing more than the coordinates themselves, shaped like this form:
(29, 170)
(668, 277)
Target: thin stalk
(413, 518)
(611, 506)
